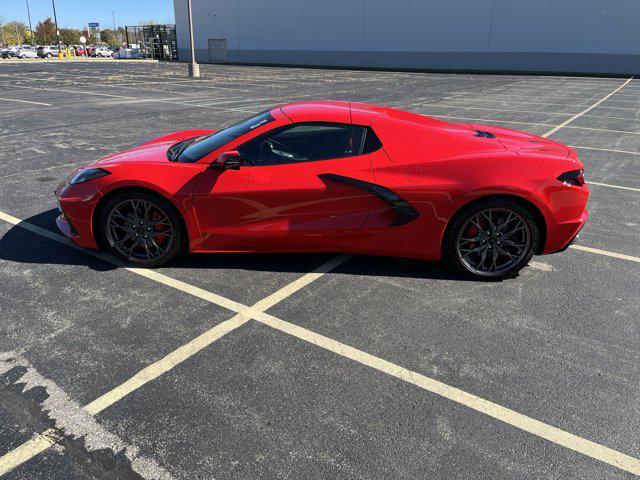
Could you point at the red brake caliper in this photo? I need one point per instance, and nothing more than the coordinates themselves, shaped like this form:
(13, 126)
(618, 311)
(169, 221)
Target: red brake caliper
(160, 239)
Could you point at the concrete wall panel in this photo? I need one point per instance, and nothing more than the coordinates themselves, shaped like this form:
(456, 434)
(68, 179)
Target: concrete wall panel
(582, 36)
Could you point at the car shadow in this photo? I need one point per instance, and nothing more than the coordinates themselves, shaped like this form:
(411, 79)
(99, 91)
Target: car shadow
(21, 245)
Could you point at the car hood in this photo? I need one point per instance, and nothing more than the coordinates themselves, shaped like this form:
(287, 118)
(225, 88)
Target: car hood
(152, 151)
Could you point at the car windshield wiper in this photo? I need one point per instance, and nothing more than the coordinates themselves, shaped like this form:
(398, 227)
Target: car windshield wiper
(173, 154)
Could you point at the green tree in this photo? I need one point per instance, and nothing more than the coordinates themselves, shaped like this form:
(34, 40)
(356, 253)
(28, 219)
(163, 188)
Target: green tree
(70, 36)
(108, 36)
(14, 33)
(45, 33)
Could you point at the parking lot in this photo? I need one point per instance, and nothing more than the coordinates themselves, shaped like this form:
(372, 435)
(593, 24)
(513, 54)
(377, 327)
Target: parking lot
(311, 366)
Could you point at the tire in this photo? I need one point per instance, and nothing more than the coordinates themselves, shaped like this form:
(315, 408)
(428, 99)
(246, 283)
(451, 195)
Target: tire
(49, 55)
(119, 230)
(99, 55)
(501, 248)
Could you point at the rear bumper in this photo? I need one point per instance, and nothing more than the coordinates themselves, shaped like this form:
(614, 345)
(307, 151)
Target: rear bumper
(574, 229)
(565, 210)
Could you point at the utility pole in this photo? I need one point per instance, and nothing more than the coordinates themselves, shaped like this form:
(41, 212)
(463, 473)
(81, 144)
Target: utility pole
(30, 28)
(55, 19)
(113, 17)
(194, 68)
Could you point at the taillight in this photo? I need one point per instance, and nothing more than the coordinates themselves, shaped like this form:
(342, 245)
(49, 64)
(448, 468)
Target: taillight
(574, 177)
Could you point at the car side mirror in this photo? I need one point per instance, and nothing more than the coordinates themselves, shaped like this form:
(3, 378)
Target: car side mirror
(227, 161)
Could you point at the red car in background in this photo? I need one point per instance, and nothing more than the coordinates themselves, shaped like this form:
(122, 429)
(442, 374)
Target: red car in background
(334, 176)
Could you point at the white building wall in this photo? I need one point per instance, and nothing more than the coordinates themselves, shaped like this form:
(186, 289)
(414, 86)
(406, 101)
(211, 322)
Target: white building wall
(588, 36)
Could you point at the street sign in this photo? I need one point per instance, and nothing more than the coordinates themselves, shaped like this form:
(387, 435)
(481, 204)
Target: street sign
(94, 25)
(83, 39)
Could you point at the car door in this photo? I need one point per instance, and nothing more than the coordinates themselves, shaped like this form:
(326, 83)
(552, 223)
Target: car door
(281, 197)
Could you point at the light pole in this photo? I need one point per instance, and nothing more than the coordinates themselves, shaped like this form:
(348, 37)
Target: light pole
(194, 68)
(55, 19)
(113, 17)
(30, 28)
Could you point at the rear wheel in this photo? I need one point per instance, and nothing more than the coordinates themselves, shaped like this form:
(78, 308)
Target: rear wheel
(493, 240)
(141, 228)
(49, 55)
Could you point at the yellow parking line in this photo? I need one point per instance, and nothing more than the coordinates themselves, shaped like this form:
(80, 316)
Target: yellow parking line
(28, 450)
(606, 253)
(188, 350)
(43, 441)
(504, 414)
(258, 311)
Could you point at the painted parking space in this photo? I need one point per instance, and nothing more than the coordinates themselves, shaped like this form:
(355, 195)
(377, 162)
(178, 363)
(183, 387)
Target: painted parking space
(203, 397)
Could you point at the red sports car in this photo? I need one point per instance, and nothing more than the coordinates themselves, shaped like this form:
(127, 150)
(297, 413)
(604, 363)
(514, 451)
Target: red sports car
(333, 176)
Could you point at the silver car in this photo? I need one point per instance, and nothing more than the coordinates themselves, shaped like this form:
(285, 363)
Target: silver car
(27, 53)
(48, 51)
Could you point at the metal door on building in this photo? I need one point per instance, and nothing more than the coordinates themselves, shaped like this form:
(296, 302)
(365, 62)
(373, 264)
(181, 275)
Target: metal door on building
(217, 49)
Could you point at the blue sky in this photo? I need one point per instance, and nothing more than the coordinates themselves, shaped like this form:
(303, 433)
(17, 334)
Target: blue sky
(77, 13)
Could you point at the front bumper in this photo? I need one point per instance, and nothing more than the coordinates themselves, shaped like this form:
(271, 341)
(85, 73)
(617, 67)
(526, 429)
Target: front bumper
(76, 204)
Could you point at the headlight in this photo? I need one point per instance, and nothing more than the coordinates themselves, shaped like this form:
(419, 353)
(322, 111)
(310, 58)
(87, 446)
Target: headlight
(88, 174)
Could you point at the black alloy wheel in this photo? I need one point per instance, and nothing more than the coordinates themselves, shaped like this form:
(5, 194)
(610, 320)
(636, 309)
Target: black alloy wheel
(494, 240)
(141, 228)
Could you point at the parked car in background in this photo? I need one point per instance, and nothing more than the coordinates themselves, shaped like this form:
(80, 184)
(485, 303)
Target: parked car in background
(89, 51)
(80, 50)
(10, 52)
(27, 53)
(127, 53)
(102, 52)
(48, 51)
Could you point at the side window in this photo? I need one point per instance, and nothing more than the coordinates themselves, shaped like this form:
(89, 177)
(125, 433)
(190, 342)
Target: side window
(304, 142)
(371, 142)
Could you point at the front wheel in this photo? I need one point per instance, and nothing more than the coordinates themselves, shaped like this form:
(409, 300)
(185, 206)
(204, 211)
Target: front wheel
(493, 240)
(49, 55)
(141, 228)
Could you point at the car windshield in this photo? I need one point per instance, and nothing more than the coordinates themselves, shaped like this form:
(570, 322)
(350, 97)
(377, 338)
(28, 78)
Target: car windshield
(205, 145)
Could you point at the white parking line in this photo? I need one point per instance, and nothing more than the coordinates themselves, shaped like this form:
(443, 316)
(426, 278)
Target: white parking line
(77, 92)
(492, 120)
(614, 186)
(629, 152)
(144, 100)
(538, 112)
(500, 120)
(26, 101)
(258, 311)
(586, 110)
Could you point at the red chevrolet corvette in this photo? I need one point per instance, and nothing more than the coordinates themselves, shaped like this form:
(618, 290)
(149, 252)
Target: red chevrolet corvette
(333, 176)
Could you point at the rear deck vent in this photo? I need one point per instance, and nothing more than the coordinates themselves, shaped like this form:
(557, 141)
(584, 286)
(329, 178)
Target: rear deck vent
(481, 133)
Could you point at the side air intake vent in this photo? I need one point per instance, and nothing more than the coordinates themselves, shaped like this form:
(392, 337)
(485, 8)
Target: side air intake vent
(481, 133)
